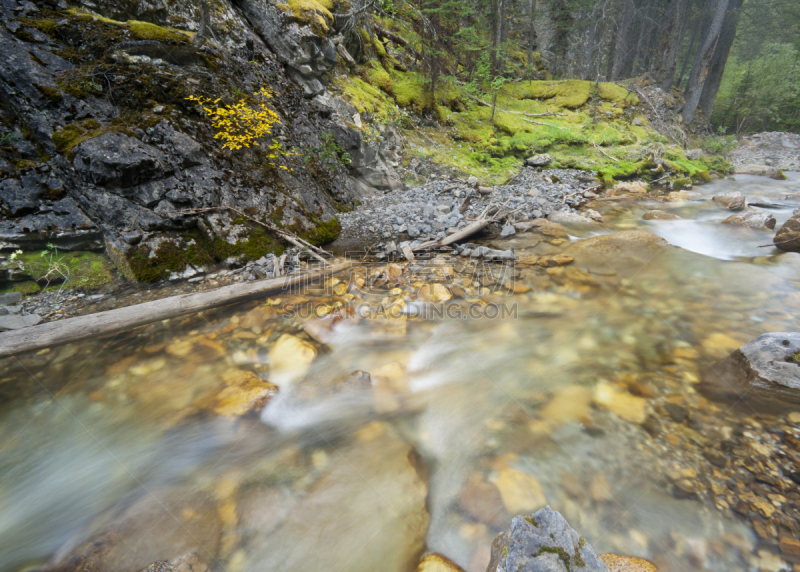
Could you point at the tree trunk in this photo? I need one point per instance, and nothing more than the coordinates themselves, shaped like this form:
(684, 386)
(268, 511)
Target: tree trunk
(591, 42)
(702, 62)
(621, 56)
(721, 54)
(531, 37)
(669, 44)
(685, 66)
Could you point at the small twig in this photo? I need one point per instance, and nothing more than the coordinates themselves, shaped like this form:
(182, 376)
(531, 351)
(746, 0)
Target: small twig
(134, 221)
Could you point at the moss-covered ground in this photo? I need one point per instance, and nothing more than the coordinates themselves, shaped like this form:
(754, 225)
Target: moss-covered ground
(84, 271)
(579, 123)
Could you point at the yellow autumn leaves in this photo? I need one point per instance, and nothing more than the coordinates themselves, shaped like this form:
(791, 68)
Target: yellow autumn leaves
(241, 125)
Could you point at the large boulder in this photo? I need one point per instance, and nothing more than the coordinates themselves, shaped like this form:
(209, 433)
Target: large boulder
(764, 373)
(788, 237)
(733, 201)
(629, 246)
(759, 220)
(118, 160)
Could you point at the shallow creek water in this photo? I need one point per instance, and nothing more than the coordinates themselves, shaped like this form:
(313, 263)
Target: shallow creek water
(389, 434)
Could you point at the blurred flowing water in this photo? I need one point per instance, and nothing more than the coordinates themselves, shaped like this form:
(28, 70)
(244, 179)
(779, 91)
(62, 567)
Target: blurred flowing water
(127, 439)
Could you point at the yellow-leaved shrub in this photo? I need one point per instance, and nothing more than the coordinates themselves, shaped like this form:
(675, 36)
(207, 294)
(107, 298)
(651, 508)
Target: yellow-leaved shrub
(242, 124)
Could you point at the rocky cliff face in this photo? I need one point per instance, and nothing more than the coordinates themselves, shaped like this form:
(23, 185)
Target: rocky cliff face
(100, 147)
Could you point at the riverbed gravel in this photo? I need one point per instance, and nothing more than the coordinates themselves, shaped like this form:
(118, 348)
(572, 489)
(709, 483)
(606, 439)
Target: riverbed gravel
(437, 208)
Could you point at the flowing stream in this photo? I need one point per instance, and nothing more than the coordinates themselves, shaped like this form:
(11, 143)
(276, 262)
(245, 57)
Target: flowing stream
(410, 432)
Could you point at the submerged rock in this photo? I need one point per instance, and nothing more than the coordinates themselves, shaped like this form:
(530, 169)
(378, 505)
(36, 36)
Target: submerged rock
(438, 563)
(758, 220)
(381, 483)
(765, 373)
(733, 201)
(630, 245)
(573, 220)
(543, 542)
(788, 237)
(660, 215)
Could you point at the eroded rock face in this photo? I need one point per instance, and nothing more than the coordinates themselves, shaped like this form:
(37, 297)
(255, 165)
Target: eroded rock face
(543, 542)
(788, 237)
(111, 161)
(765, 373)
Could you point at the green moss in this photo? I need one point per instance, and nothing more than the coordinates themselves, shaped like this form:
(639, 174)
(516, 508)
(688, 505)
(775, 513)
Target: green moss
(379, 77)
(65, 137)
(198, 249)
(323, 232)
(379, 47)
(681, 183)
(86, 15)
(780, 176)
(556, 550)
(46, 25)
(367, 98)
(51, 93)
(314, 13)
(531, 520)
(795, 357)
(26, 288)
(72, 135)
(409, 91)
(617, 94)
(83, 270)
(148, 31)
(702, 177)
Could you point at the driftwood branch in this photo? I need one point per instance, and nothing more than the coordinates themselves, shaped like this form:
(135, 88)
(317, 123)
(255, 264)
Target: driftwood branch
(284, 234)
(596, 146)
(105, 323)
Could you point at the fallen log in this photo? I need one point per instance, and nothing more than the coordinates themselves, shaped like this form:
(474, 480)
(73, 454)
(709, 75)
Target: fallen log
(113, 321)
(465, 232)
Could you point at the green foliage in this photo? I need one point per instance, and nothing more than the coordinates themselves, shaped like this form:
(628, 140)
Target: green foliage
(329, 153)
(81, 270)
(718, 144)
(762, 94)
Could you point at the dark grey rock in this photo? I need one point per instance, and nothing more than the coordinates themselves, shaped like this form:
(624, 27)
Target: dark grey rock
(17, 322)
(763, 373)
(119, 160)
(543, 542)
(508, 230)
(10, 298)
